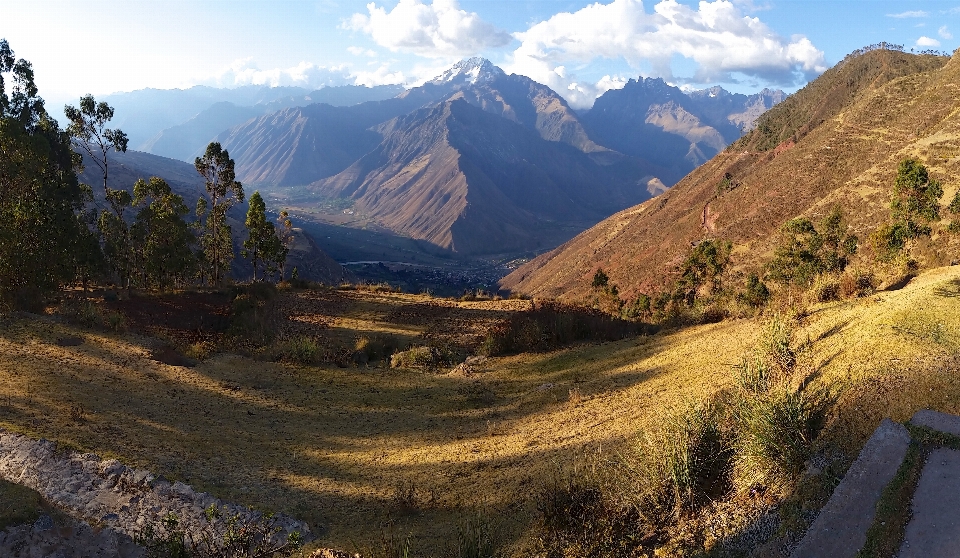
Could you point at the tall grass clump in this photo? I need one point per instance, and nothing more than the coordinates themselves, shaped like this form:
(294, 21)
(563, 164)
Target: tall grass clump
(778, 414)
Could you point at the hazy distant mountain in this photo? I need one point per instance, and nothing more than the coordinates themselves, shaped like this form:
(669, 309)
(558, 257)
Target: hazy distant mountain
(658, 122)
(721, 108)
(145, 112)
(476, 183)
(196, 115)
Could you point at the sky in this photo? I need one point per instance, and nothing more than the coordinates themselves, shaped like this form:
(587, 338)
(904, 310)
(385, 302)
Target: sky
(578, 48)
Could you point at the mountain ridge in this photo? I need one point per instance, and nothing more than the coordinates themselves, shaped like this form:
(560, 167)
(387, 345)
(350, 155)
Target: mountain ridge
(862, 117)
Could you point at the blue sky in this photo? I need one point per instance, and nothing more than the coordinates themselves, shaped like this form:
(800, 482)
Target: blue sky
(577, 47)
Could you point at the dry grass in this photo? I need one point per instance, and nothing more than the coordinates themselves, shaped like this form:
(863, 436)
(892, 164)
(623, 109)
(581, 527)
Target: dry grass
(332, 445)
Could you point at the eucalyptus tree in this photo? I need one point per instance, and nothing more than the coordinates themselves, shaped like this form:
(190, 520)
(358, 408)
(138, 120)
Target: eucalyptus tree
(219, 175)
(41, 235)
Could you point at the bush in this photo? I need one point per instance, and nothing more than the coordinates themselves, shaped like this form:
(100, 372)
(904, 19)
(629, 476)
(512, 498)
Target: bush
(251, 312)
(776, 431)
(375, 348)
(857, 284)
(220, 537)
(826, 288)
(299, 350)
(90, 314)
(578, 517)
(755, 293)
(417, 357)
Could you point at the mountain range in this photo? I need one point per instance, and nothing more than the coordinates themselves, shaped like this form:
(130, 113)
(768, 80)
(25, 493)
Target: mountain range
(475, 161)
(481, 162)
(836, 142)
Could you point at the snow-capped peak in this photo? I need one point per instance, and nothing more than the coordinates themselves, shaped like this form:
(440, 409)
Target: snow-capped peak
(470, 70)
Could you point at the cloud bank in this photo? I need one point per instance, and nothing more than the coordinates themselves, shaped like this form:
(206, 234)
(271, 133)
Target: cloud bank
(245, 72)
(716, 36)
(437, 30)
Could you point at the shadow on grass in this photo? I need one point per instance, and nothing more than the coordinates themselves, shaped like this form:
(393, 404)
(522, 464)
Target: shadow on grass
(326, 445)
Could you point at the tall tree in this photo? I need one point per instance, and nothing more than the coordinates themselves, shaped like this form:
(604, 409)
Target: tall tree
(163, 240)
(88, 125)
(285, 235)
(41, 233)
(218, 172)
(261, 234)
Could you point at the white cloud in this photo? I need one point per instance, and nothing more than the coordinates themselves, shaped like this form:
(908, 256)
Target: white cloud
(944, 33)
(927, 42)
(245, 72)
(717, 36)
(383, 75)
(437, 30)
(912, 13)
(360, 51)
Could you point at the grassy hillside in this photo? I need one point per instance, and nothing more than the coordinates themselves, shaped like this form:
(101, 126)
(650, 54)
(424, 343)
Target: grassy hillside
(370, 452)
(838, 141)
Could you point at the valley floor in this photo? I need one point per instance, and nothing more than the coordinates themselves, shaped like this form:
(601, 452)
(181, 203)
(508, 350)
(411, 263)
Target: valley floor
(371, 452)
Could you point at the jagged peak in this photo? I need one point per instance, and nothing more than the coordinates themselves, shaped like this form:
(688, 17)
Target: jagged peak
(469, 70)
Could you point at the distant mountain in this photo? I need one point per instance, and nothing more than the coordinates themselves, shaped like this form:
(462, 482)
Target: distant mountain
(413, 166)
(298, 146)
(658, 122)
(837, 141)
(142, 114)
(125, 168)
(174, 122)
(471, 181)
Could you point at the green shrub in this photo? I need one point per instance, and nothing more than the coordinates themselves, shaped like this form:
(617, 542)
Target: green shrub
(417, 357)
(299, 350)
(775, 434)
(90, 314)
(755, 293)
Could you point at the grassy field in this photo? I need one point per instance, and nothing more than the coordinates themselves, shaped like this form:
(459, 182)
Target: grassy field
(368, 452)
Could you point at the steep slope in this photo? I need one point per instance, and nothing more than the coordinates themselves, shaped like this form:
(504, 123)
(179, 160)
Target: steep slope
(186, 141)
(471, 181)
(845, 134)
(125, 168)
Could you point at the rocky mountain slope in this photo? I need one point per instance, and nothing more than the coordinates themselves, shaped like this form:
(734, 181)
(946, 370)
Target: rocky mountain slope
(835, 142)
(473, 182)
(658, 122)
